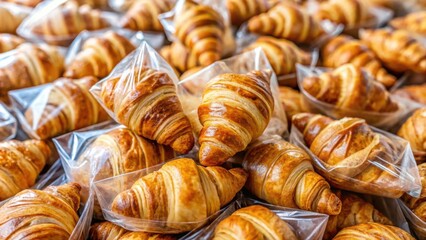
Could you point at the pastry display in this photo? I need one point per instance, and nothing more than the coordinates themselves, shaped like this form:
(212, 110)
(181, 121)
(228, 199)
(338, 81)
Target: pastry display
(9, 42)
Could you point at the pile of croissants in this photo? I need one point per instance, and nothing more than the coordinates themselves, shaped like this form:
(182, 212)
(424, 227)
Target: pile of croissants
(369, 68)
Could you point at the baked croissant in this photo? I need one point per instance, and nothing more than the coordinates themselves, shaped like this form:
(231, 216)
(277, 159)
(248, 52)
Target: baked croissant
(146, 236)
(9, 21)
(282, 174)
(373, 231)
(282, 54)
(414, 130)
(242, 10)
(350, 13)
(178, 56)
(20, 165)
(30, 65)
(292, 102)
(201, 29)
(69, 107)
(236, 108)
(286, 20)
(355, 210)
(99, 55)
(180, 191)
(151, 108)
(143, 15)
(413, 22)
(106, 231)
(349, 87)
(9, 42)
(94, 3)
(41, 214)
(354, 157)
(253, 222)
(344, 49)
(398, 50)
(418, 205)
(415, 93)
(27, 3)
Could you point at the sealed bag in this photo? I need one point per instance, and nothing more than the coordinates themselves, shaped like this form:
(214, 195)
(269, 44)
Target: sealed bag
(8, 124)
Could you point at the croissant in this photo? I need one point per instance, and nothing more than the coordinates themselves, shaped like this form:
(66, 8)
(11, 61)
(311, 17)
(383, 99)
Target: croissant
(9, 42)
(106, 231)
(373, 231)
(282, 174)
(292, 102)
(253, 222)
(242, 10)
(146, 236)
(143, 15)
(94, 3)
(418, 205)
(355, 210)
(398, 50)
(151, 109)
(201, 29)
(282, 54)
(413, 22)
(344, 49)
(9, 21)
(236, 108)
(41, 214)
(286, 20)
(348, 150)
(27, 3)
(351, 13)
(32, 65)
(415, 93)
(190, 72)
(178, 56)
(99, 55)
(20, 165)
(414, 130)
(179, 185)
(348, 87)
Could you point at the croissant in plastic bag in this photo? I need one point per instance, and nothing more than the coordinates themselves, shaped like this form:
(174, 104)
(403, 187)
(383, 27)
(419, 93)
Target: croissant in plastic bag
(418, 205)
(8, 124)
(414, 93)
(108, 230)
(10, 21)
(413, 22)
(9, 42)
(373, 231)
(414, 131)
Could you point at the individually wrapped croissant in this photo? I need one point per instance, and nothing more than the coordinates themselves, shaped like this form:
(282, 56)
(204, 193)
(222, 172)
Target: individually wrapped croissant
(418, 205)
(108, 230)
(414, 131)
(292, 102)
(10, 19)
(180, 57)
(373, 231)
(413, 22)
(242, 10)
(8, 124)
(9, 42)
(415, 93)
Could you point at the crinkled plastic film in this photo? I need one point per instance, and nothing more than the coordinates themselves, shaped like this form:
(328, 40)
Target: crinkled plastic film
(306, 225)
(8, 124)
(399, 163)
(417, 225)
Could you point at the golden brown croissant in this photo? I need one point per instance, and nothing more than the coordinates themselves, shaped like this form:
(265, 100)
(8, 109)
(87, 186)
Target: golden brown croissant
(414, 130)
(282, 174)
(143, 15)
(106, 231)
(398, 50)
(178, 56)
(33, 65)
(9, 42)
(286, 20)
(292, 102)
(151, 109)
(236, 108)
(253, 222)
(20, 165)
(355, 210)
(344, 49)
(37, 214)
(99, 55)
(282, 54)
(349, 87)
(201, 29)
(415, 93)
(373, 231)
(351, 13)
(178, 186)
(146, 236)
(9, 21)
(188, 73)
(413, 22)
(349, 149)
(242, 10)
(418, 205)
(69, 107)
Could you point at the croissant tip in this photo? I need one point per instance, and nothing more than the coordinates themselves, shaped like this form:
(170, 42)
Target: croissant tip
(300, 120)
(184, 143)
(311, 85)
(211, 155)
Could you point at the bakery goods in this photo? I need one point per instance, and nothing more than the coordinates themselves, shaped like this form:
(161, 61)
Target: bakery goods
(282, 174)
(146, 236)
(242, 10)
(418, 205)
(235, 109)
(9, 42)
(41, 214)
(373, 231)
(69, 107)
(254, 222)
(414, 22)
(292, 101)
(344, 49)
(350, 13)
(179, 56)
(20, 165)
(180, 191)
(414, 131)
(106, 231)
(9, 20)
(415, 93)
(99, 55)
(152, 95)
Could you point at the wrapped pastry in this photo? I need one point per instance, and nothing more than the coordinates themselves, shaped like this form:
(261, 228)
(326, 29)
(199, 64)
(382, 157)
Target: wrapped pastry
(242, 10)
(179, 56)
(292, 102)
(414, 131)
(415, 93)
(413, 22)
(418, 205)
(9, 42)
(10, 21)
(373, 231)
(8, 124)
(108, 230)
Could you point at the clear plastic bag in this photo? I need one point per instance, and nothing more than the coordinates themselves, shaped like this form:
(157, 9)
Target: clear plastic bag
(8, 124)
(306, 225)
(383, 120)
(403, 167)
(417, 225)
(120, 5)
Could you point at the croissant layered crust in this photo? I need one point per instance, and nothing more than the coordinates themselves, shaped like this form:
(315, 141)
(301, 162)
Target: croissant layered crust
(413, 22)
(180, 57)
(242, 10)
(418, 205)
(414, 130)
(106, 231)
(351, 13)
(415, 93)
(373, 231)
(9, 42)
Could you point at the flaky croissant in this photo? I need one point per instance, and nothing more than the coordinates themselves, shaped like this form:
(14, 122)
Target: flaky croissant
(178, 186)
(27, 3)
(398, 50)
(20, 165)
(179, 56)
(9, 42)
(146, 236)
(143, 15)
(236, 108)
(9, 21)
(414, 130)
(41, 214)
(282, 174)
(253, 222)
(418, 205)
(413, 22)
(348, 150)
(344, 49)
(201, 29)
(349, 87)
(106, 231)
(415, 93)
(292, 102)
(286, 20)
(242, 10)
(282, 54)
(99, 55)
(373, 231)
(151, 108)
(351, 13)
(355, 210)
(69, 107)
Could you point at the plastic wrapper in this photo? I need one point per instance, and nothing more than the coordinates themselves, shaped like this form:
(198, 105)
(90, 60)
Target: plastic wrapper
(8, 124)
(417, 225)
(120, 5)
(399, 163)
(306, 225)
(383, 120)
